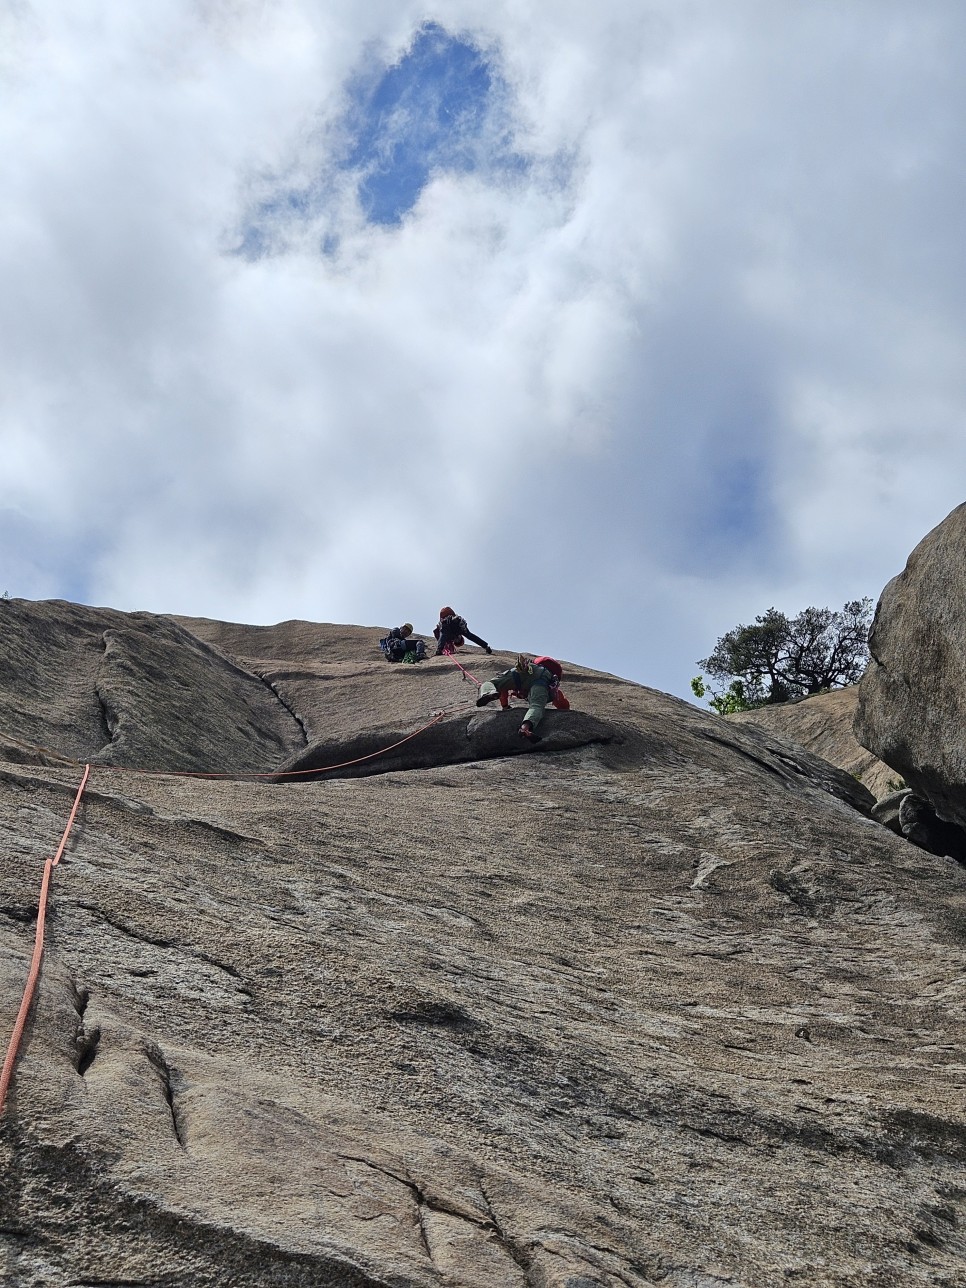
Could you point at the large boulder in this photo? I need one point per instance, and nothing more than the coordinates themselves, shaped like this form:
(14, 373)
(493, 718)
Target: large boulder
(655, 1002)
(912, 700)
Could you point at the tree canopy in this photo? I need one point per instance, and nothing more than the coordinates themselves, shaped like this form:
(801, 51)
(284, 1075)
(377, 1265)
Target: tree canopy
(782, 657)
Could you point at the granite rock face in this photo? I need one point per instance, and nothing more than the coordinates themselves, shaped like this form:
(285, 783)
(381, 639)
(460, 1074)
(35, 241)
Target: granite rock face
(912, 699)
(654, 1003)
(823, 725)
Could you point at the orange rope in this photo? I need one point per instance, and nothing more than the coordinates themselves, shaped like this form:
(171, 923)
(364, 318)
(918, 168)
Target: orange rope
(246, 775)
(291, 773)
(51, 863)
(34, 973)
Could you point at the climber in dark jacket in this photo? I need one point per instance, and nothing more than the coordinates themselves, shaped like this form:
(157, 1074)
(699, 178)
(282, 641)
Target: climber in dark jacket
(452, 631)
(399, 642)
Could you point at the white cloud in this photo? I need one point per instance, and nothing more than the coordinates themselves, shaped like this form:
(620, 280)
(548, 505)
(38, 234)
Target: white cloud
(702, 357)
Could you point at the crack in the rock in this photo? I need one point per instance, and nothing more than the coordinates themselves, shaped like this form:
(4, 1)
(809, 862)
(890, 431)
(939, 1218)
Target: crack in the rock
(108, 716)
(167, 1076)
(213, 961)
(155, 942)
(434, 1203)
(229, 970)
(87, 1047)
(122, 1283)
(727, 1137)
(270, 684)
(213, 651)
(423, 1236)
(748, 755)
(140, 936)
(86, 1044)
(108, 721)
(584, 1248)
(519, 1256)
(410, 1184)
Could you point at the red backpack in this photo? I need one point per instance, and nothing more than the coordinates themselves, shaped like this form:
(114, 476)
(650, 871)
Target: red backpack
(551, 665)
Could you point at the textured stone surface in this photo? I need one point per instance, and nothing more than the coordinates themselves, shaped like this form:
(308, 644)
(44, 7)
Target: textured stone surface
(659, 1004)
(912, 699)
(823, 725)
(886, 810)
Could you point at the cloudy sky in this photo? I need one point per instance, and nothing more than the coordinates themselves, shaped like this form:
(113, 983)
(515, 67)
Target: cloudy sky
(611, 325)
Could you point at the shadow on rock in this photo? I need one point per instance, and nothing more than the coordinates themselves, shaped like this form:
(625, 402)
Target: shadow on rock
(455, 740)
(920, 824)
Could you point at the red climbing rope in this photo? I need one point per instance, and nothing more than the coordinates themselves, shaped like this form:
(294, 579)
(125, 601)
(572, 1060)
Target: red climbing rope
(31, 986)
(466, 674)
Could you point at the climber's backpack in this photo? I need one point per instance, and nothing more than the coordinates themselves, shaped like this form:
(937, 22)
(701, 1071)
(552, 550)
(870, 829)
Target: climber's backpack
(394, 648)
(550, 664)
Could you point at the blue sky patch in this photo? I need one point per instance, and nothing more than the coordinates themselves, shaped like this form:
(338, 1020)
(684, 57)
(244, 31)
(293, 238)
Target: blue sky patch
(443, 107)
(432, 111)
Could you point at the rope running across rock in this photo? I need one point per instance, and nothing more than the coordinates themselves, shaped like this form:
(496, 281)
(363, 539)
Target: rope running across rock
(33, 974)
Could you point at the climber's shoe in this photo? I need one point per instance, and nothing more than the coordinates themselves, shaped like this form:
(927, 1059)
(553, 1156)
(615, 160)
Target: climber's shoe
(528, 733)
(484, 698)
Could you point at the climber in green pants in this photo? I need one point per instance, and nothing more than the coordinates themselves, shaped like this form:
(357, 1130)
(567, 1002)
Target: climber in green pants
(529, 679)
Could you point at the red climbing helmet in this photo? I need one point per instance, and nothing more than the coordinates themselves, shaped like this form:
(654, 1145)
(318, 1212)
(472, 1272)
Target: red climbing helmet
(446, 612)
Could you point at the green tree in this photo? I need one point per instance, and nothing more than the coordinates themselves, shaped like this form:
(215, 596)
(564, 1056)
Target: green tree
(732, 699)
(782, 657)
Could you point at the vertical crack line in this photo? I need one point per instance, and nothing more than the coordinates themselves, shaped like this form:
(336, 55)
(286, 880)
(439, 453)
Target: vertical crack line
(270, 684)
(85, 1043)
(108, 716)
(518, 1255)
(167, 1076)
(421, 1224)
(86, 1046)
